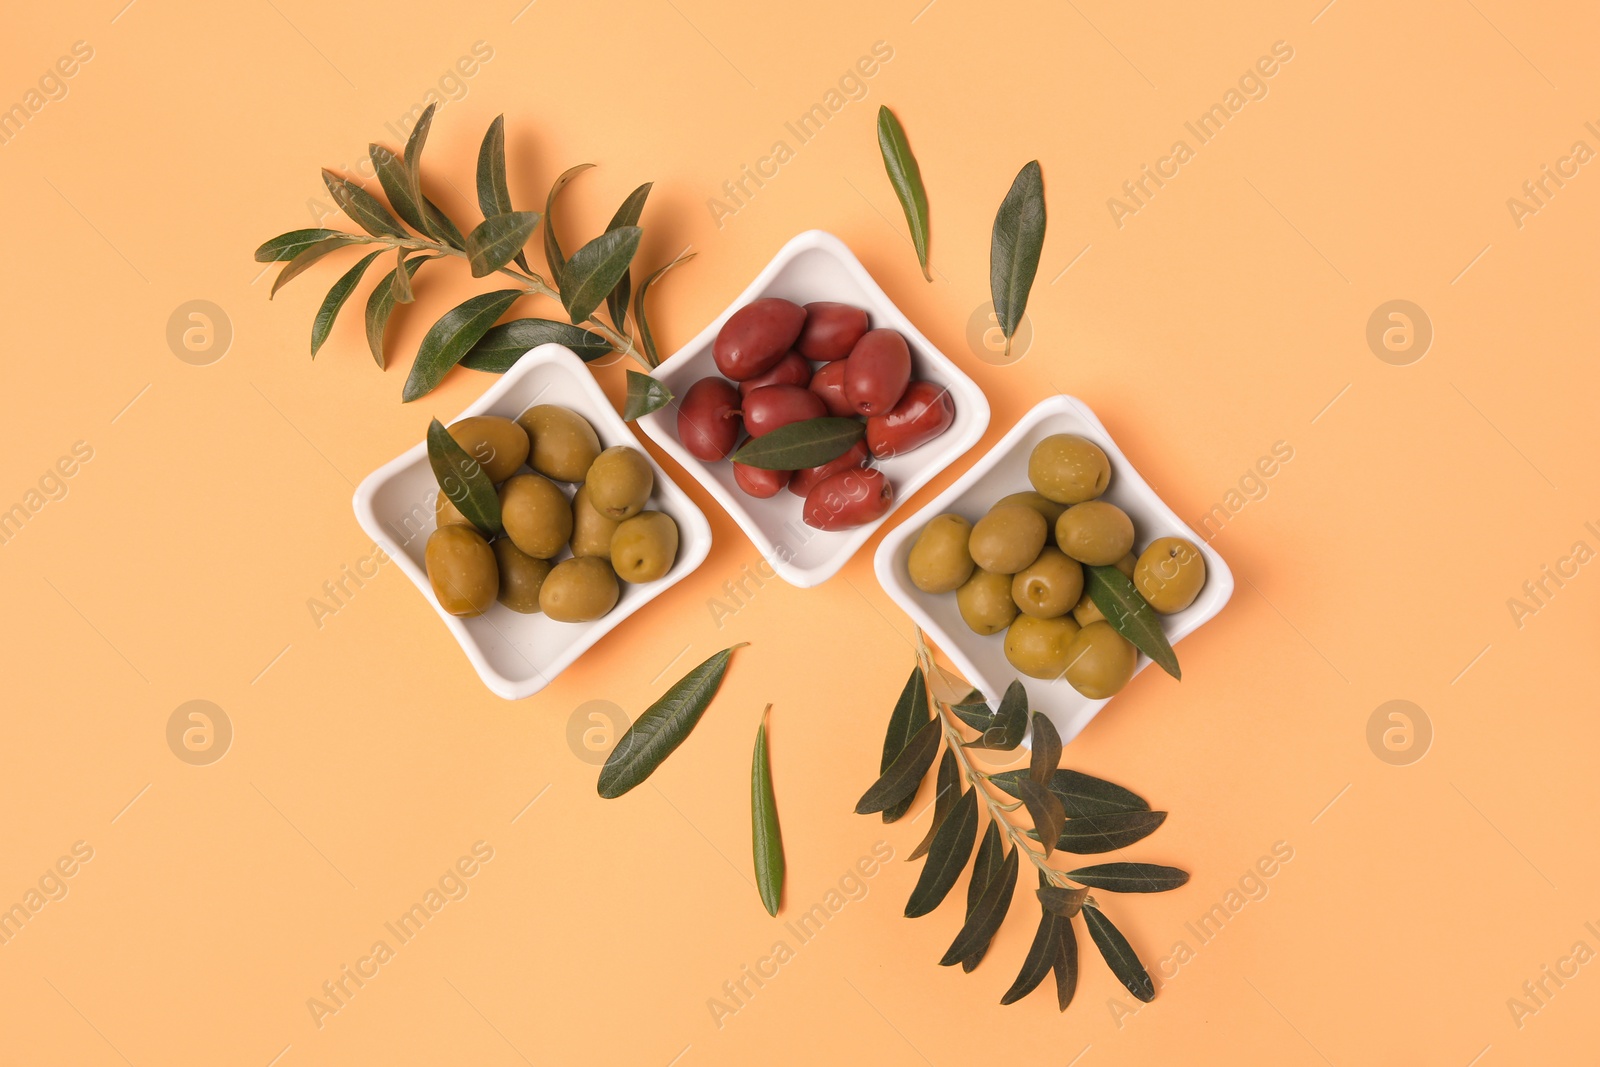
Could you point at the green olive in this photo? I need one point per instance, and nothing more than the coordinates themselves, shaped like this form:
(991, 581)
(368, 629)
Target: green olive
(985, 602)
(1043, 505)
(1038, 647)
(591, 531)
(1169, 574)
(521, 575)
(619, 482)
(461, 569)
(1095, 532)
(644, 547)
(563, 444)
(536, 515)
(1008, 538)
(1099, 661)
(1049, 586)
(579, 589)
(498, 444)
(939, 561)
(1069, 469)
(445, 513)
(1087, 610)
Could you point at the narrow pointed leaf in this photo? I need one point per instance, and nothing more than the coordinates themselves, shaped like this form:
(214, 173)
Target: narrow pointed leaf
(947, 858)
(1014, 248)
(1010, 720)
(646, 338)
(1066, 965)
(1131, 877)
(494, 195)
(498, 239)
(440, 226)
(322, 324)
(1061, 900)
(1080, 794)
(1104, 833)
(1130, 615)
(419, 137)
(400, 280)
(304, 259)
(906, 177)
(1044, 808)
(508, 342)
(991, 858)
(450, 338)
(911, 711)
(947, 787)
(1046, 756)
(663, 726)
(362, 207)
(1037, 963)
(286, 246)
(987, 916)
(1118, 954)
(975, 713)
(463, 480)
(395, 178)
(905, 774)
(767, 840)
(380, 305)
(803, 444)
(627, 215)
(645, 394)
(594, 270)
(552, 245)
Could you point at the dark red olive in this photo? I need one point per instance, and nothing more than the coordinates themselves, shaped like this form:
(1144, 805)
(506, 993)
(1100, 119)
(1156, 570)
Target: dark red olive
(757, 482)
(828, 383)
(876, 372)
(772, 406)
(925, 412)
(850, 498)
(756, 336)
(803, 481)
(792, 369)
(708, 418)
(831, 330)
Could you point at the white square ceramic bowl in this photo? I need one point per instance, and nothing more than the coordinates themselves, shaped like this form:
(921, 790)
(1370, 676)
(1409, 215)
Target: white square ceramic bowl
(982, 660)
(817, 266)
(517, 655)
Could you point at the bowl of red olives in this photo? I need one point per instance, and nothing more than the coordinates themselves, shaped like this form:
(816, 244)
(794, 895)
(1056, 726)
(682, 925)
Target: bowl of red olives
(812, 406)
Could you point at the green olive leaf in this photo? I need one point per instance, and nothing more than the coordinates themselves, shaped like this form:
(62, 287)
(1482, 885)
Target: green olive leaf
(364, 208)
(380, 304)
(463, 480)
(498, 239)
(987, 914)
(305, 258)
(440, 226)
(1131, 877)
(286, 246)
(1044, 808)
(450, 338)
(1040, 958)
(663, 726)
(947, 858)
(1090, 834)
(322, 325)
(911, 712)
(905, 774)
(906, 177)
(990, 861)
(1066, 965)
(1046, 756)
(419, 137)
(508, 342)
(1129, 615)
(395, 177)
(947, 786)
(1014, 248)
(645, 394)
(1119, 955)
(552, 244)
(1010, 721)
(975, 713)
(627, 215)
(1080, 794)
(595, 269)
(767, 840)
(1061, 900)
(807, 443)
(400, 280)
(646, 338)
(494, 195)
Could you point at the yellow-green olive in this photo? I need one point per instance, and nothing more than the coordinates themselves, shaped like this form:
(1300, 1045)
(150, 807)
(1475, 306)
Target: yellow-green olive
(563, 444)
(1049, 586)
(498, 444)
(1100, 661)
(1095, 532)
(1043, 505)
(1169, 574)
(591, 531)
(1008, 538)
(939, 562)
(985, 602)
(579, 589)
(620, 481)
(644, 547)
(521, 575)
(445, 513)
(1038, 647)
(461, 569)
(1069, 469)
(1087, 610)
(536, 515)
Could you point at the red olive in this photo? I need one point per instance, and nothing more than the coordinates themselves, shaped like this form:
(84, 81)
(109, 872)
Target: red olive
(831, 330)
(828, 383)
(925, 412)
(772, 406)
(850, 498)
(792, 369)
(758, 482)
(804, 480)
(708, 419)
(756, 336)
(877, 371)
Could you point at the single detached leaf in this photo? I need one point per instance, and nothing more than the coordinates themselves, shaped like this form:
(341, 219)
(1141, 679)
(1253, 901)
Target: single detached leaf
(991, 858)
(1080, 794)
(1066, 965)
(905, 774)
(1046, 755)
(947, 786)
(364, 208)
(463, 480)
(305, 258)
(627, 215)
(1119, 955)
(646, 338)
(286, 246)
(395, 177)
(552, 245)
(987, 916)
(494, 195)
(1129, 615)
(911, 712)
(1104, 833)
(400, 280)
(906, 177)
(594, 270)
(508, 342)
(767, 841)
(380, 304)
(322, 325)
(807, 443)
(1044, 808)
(1060, 900)
(450, 338)
(663, 726)
(1010, 720)
(952, 848)
(1037, 963)
(1014, 248)
(498, 239)
(1130, 877)
(645, 394)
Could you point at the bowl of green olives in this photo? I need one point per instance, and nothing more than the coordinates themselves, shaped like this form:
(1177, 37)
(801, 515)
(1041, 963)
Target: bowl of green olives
(817, 337)
(994, 568)
(594, 529)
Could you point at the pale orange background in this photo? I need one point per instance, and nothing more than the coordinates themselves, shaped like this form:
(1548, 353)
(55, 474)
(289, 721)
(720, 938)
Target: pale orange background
(1224, 317)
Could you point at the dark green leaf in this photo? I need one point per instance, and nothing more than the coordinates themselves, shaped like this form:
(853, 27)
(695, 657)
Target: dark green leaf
(1066, 965)
(463, 480)
(367, 211)
(419, 137)
(947, 786)
(1080, 794)
(1010, 721)
(440, 226)
(975, 713)
(498, 239)
(494, 195)
(1129, 615)
(627, 215)
(400, 280)
(766, 838)
(645, 394)
(807, 443)
(905, 773)
(1014, 249)
(552, 245)
(594, 270)
(906, 177)
(508, 342)
(911, 711)
(663, 726)
(1046, 756)
(987, 916)
(1045, 809)
(395, 178)
(1119, 955)
(286, 246)
(952, 848)
(1040, 958)
(1130, 877)
(322, 325)
(1103, 833)
(450, 338)
(646, 338)
(380, 304)
(1060, 900)
(305, 258)
(991, 858)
